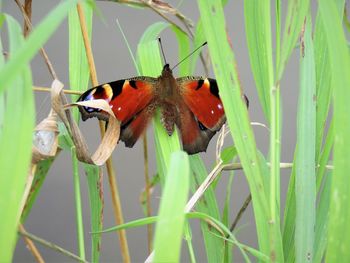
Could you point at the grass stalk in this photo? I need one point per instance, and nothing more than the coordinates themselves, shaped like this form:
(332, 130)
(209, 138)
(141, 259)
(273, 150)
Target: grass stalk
(31, 246)
(78, 206)
(147, 191)
(51, 245)
(109, 165)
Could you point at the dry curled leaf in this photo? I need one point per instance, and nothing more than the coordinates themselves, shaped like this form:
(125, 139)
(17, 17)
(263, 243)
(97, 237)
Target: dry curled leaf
(110, 139)
(45, 140)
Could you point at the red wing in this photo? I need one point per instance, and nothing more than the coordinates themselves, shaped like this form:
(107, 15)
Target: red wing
(195, 137)
(126, 97)
(201, 95)
(135, 127)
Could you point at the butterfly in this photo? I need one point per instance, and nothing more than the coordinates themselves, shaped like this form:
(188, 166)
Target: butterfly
(191, 103)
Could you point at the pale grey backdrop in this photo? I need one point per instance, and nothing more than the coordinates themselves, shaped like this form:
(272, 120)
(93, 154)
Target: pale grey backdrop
(53, 215)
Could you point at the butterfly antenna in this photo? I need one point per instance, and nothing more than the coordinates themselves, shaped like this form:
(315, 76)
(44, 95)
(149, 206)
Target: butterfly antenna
(161, 47)
(194, 51)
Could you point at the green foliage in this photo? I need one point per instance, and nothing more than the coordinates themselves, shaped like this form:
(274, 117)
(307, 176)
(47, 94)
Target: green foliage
(315, 220)
(15, 143)
(170, 224)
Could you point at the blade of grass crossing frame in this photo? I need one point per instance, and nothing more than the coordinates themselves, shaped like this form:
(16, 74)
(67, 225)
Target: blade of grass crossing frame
(184, 50)
(238, 120)
(322, 216)
(296, 13)
(214, 246)
(305, 180)
(34, 42)
(78, 205)
(289, 218)
(150, 65)
(78, 65)
(258, 31)
(95, 188)
(78, 80)
(42, 168)
(323, 77)
(339, 228)
(15, 143)
(188, 238)
(170, 224)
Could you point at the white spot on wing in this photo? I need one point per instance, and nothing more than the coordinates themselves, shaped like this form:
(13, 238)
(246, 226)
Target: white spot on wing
(219, 106)
(212, 112)
(119, 108)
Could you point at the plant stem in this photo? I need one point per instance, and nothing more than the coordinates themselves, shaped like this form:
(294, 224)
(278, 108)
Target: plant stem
(111, 174)
(147, 190)
(31, 246)
(50, 245)
(78, 207)
(45, 89)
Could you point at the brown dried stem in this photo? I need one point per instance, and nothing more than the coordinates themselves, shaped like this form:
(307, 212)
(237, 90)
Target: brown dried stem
(28, 24)
(66, 91)
(50, 245)
(31, 246)
(111, 173)
(28, 12)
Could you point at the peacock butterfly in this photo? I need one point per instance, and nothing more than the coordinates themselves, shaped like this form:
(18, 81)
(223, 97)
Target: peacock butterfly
(192, 103)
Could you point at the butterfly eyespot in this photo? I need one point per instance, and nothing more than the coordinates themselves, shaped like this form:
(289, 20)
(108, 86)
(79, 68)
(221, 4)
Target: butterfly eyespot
(89, 109)
(201, 126)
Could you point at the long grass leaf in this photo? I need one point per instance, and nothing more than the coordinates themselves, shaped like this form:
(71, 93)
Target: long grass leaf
(238, 120)
(214, 246)
(339, 228)
(322, 217)
(15, 144)
(170, 224)
(258, 32)
(150, 65)
(78, 65)
(79, 80)
(323, 77)
(94, 181)
(42, 169)
(305, 180)
(296, 13)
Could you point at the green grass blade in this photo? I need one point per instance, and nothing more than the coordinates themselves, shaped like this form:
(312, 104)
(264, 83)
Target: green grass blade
(15, 143)
(258, 31)
(78, 80)
(150, 65)
(297, 11)
(95, 191)
(170, 224)
(238, 120)
(188, 238)
(152, 33)
(214, 246)
(78, 205)
(184, 50)
(78, 66)
(34, 42)
(323, 77)
(339, 228)
(305, 180)
(42, 168)
(322, 220)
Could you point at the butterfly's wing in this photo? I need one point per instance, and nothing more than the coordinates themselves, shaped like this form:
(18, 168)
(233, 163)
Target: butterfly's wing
(130, 100)
(202, 112)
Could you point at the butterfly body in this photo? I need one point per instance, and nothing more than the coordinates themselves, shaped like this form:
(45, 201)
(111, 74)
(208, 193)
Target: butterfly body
(190, 103)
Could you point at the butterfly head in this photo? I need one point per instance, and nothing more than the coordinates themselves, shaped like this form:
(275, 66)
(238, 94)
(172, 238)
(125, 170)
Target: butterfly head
(167, 69)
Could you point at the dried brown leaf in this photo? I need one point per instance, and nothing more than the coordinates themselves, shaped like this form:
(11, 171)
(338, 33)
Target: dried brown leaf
(110, 139)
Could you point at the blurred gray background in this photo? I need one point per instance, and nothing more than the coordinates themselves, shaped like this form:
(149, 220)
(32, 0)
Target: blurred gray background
(53, 215)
